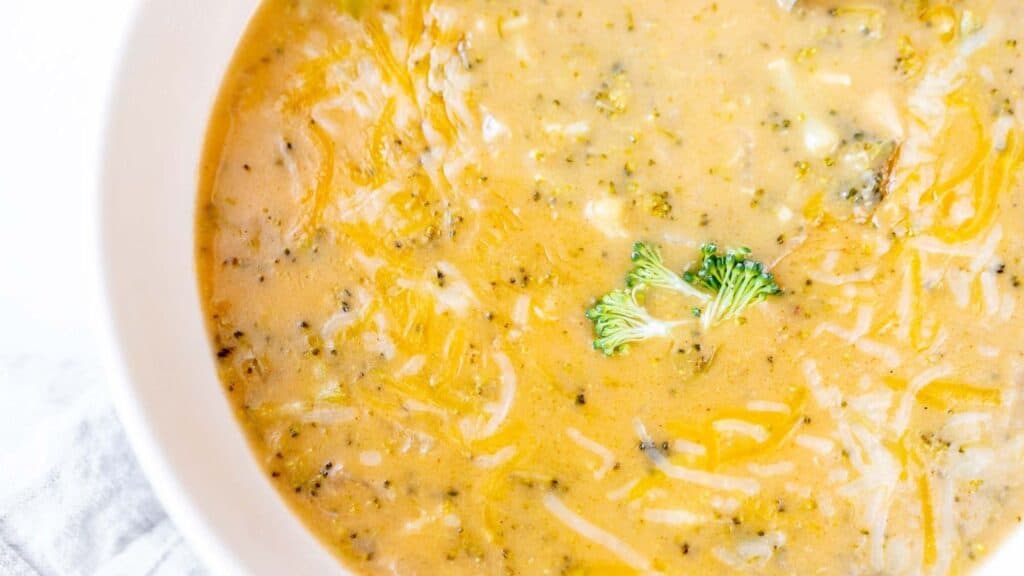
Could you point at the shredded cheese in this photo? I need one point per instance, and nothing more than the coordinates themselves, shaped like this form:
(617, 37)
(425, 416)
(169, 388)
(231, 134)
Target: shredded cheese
(674, 517)
(756, 432)
(473, 429)
(597, 535)
(607, 456)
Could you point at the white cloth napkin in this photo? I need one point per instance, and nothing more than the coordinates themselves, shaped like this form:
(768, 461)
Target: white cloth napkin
(72, 498)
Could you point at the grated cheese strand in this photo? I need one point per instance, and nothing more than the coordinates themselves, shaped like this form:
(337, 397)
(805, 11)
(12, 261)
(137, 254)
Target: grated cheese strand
(595, 534)
(607, 456)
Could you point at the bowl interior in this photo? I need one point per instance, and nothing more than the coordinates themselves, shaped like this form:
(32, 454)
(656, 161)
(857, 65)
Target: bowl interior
(164, 378)
(162, 371)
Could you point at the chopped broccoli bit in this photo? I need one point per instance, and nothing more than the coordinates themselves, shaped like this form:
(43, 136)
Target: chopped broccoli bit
(658, 204)
(736, 281)
(620, 319)
(650, 270)
(612, 98)
(870, 185)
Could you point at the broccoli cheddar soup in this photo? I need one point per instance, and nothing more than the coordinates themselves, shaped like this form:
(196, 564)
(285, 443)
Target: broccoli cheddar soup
(627, 287)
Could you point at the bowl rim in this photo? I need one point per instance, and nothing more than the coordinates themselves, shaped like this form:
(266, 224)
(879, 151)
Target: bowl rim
(230, 533)
(151, 455)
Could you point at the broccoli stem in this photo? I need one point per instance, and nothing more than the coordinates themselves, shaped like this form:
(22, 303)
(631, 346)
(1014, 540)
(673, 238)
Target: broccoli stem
(649, 270)
(619, 320)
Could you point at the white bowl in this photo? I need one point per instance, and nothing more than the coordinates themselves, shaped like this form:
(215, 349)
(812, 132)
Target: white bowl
(161, 367)
(164, 380)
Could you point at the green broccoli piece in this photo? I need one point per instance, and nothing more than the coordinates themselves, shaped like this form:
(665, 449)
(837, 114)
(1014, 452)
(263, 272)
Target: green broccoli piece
(650, 270)
(729, 283)
(620, 319)
(736, 282)
(870, 184)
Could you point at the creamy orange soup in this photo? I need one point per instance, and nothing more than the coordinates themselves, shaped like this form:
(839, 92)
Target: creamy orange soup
(455, 257)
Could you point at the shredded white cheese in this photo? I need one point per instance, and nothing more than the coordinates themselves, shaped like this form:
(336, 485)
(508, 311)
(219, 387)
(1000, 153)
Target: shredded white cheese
(454, 293)
(687, 447)
(330, 415)
(412, 366)
(581, 526)
(493, 129)
(675, 517)
(751, 553)
(748, 486)
(521, 311)
(475, 430)
(901, 418)
(607, 456)
(494, 460)
(622, 491)
(733, 426)
(822, 446)
(370, 458)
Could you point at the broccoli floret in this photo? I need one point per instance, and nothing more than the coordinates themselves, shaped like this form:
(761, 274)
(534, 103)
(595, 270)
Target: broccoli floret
(729, 282)
(650, 270)
(620, 319)
(736, 281)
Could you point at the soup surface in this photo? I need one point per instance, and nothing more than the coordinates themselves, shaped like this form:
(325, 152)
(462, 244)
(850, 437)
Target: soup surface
(453, 256)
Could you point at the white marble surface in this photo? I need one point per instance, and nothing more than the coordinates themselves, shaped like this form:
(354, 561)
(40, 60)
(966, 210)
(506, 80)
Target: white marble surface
(72, 498)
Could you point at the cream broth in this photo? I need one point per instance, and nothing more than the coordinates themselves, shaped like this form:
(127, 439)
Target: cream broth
(416, 223)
